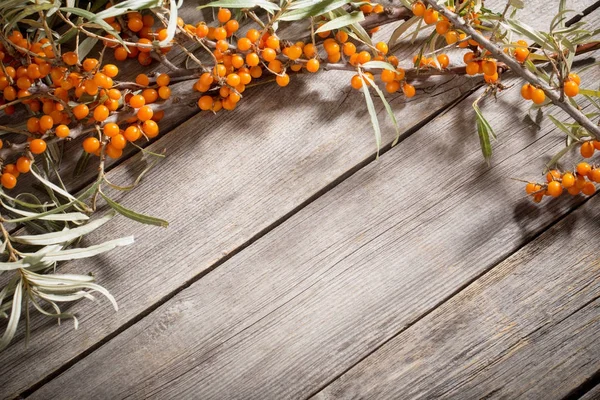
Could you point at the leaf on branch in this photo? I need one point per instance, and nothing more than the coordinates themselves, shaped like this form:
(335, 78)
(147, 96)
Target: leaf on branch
(484, 130)
(145, 219)
(126, 6)
(387, 107)
(264, 4)
(372, 113)
(65, 235)
(313, 10)
(15, 315)
(341, 22)
(93, 18)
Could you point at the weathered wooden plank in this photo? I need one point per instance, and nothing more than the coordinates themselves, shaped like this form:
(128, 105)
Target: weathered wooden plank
(528, 329)
(227, 178)
(342, 276)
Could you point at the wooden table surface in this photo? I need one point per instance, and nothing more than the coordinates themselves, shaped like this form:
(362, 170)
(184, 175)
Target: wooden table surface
(298, 266)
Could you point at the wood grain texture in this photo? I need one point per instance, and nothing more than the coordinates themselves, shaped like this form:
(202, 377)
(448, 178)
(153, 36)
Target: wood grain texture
(528, 329)
(342, 276)
(226, 178)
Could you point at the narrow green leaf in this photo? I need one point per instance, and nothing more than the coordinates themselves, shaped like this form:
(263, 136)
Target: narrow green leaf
(15, 315)
(314, 10)
(373, 114)
(341, 22)
(126, 6)
(64, 235)
(379, 65)
(145, 219)
(85, 252)
(264, 4)
(387, 107)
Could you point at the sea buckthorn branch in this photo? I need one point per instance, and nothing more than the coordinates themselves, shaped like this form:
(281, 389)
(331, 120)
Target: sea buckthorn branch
(518, 69)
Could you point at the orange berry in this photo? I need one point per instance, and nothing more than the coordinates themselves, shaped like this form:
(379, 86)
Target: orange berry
(37, 146)
(382, 47)
(594, 175)
(356, 82)
(341, 36)
(135, 24)
(137, 101)
(538, 96)
(472, 68)
(442, 27)
(89, 64)
(23, 164)
(110, 129)
(70, 58)
(491, 78)
(12, 169)
(145, 113)
(568, 180)
(224, 15)
(23, 83)
(283, 80)
(575, 78)
(521, 54)
(91, 145)
(294, 52)
(101, 113)
(268, 54)
(313, 65)
(554, 189)
(596, 144)
(553, 175)
(583, 168)
(8, 180)
(527, 91)
(110, 70)
(349, 49)
(118, 141)
(33, 125)
(443, 60)
(531, 188)
(253, 35)
(220, 33)
(112, 152)
(33, 71)
(430, 16)
(252, 59)
(273, 42)
(132, 133)
(451, 37)
(121, 54)
(571, 88)
(588, 189)
(205, 103)
(114, 94)
(201, 32)
(392, 87)
(489, 67)
(408, 90)
(150, 95)
(364, 57)
(233, 80)
(587, 149)
(164, 92)
(232, 26)
(418, 9)
(150, 128)
(142, 79)
(144, 59)
(244, 44)
(62, 131)
(46, 123)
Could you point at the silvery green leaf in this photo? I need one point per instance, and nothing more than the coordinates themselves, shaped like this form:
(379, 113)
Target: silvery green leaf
(52, 186)
(171, 25)
(313, 10)
(379, 65)
(144, 219)
(64, 235)
(15, 315)
(372, 114)
(9, 266)
(52, 215)
(86, 46)
(126, 6)
(341, 22)
(85, 252)
(387, 107)
(264, 4)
